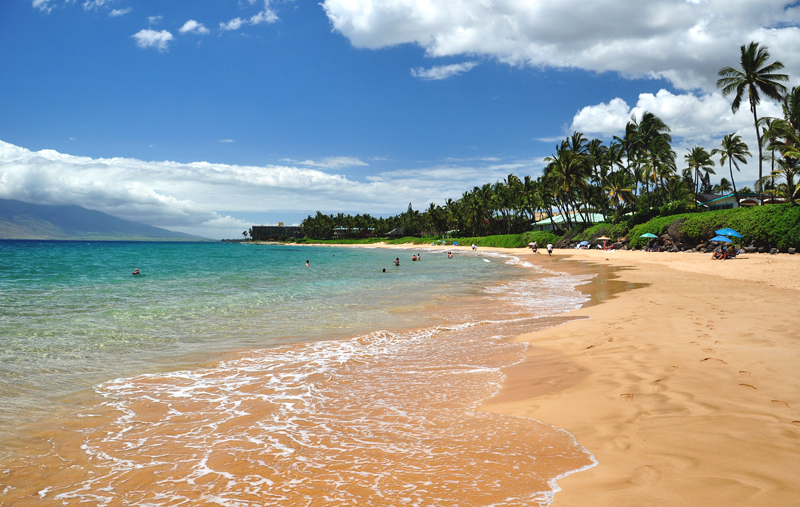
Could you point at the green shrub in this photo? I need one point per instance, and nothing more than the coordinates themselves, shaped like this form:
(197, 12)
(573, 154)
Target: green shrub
(613, 231)
(770, 226)
(541, 238)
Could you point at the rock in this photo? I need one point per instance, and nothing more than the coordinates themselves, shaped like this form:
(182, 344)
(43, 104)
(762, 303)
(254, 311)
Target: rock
(773, 251)
(792, 251)
(699, 246)
(761, 249)
(750, 249)
(674, 249)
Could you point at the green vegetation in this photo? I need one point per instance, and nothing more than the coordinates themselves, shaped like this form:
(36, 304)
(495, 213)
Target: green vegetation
(777, 226)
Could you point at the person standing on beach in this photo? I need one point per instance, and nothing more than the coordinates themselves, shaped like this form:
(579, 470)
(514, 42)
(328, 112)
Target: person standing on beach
(550, 249)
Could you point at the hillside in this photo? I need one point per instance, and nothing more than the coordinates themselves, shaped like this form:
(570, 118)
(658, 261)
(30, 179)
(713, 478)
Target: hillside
(21, 220)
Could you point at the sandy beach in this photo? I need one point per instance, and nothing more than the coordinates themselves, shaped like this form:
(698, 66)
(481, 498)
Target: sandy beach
(684, 388)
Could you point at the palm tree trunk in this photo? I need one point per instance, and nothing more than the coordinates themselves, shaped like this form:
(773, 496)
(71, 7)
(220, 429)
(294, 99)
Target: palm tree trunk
(730, 168)
(758, 140)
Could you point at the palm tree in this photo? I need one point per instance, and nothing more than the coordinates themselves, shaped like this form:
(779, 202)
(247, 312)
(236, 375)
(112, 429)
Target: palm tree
(619, 187)
(698, 160)
(724, 186)
(755, 77)
(733, 150)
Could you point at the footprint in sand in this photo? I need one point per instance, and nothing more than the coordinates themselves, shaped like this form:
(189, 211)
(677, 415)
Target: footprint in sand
(645, 476)
(780, 403)
(745, 373)
(796, 423)
(717, 342)
(713, 359)
(748, 385)
(626, 396)
(623, 443)
(704, 336)
(708, 351)
(670, 368)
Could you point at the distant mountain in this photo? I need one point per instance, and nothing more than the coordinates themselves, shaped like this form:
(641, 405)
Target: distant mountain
(21, 220)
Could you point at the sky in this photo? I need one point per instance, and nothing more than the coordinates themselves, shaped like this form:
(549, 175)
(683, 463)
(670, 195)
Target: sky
(209, 116)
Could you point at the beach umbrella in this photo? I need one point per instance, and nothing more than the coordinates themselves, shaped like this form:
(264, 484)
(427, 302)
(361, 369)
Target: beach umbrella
(648, 235)
(604, 238)
(722, 239)
(531, 244)
(583, 243)
(728, 232)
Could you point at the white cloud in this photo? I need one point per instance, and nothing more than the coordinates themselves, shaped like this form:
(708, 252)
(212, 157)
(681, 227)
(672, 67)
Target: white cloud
(42, 5)
(184, 196)
(119, 12)
(443, 71)
(89, 5)
(150, 38)
(193, 26)
(226, 140)
(153, 20)
(329, 162)
(233, 24)
(684, 42)
(267, 15)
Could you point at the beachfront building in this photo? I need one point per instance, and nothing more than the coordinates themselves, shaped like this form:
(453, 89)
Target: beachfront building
(559, 221)
(275, 232)
(714, 202)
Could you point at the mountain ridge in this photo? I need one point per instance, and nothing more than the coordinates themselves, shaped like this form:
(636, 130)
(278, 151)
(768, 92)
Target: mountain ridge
(22, 220)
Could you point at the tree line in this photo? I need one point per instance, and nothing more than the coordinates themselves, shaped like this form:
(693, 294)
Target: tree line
(636, 172)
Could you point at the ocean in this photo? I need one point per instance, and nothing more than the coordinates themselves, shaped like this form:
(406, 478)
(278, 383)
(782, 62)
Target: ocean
(232, 374)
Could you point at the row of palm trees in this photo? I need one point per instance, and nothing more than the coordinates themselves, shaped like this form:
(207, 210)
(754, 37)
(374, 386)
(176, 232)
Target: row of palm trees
(637, 171)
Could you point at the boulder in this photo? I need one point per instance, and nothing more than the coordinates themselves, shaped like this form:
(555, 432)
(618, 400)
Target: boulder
(761, 249)
(750, 249)
(773, 251)
(792, 250)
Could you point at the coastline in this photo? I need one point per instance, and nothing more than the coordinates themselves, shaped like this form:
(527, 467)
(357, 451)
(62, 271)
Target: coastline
(683, 388)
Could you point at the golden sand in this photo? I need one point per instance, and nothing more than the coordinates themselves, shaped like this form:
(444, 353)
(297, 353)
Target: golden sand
(686, 390)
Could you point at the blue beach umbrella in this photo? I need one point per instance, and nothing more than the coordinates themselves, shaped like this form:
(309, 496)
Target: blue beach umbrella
(728, 232)
(648, 235)
(583, 243)
(721, 238)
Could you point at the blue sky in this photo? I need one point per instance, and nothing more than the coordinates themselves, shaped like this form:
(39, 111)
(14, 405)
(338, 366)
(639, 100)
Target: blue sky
(161, 112)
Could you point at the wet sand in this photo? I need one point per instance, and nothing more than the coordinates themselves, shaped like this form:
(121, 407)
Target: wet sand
(684, 389)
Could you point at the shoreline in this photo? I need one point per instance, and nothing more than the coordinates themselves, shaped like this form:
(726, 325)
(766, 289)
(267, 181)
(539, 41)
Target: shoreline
(678, 376)
(682, 388)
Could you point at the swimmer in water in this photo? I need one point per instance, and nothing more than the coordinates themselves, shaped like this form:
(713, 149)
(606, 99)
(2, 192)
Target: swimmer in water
(397, 262)
(306, 263)
(136, 271)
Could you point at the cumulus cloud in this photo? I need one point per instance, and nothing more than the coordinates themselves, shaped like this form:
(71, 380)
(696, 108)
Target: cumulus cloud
(689, 116)
(154, 20)
(267, 15)
(682, 41)
(185, 196)
(443, 71)
(119, 12)
(150, 38)
(193, 26)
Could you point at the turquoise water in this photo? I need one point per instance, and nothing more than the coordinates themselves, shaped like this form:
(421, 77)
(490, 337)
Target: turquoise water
(234, 375)
(72, 315)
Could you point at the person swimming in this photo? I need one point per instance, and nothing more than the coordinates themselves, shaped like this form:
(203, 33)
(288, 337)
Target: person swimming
(397, 262)
(306, 263)
(136, 271)
(413, 257)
